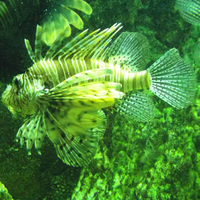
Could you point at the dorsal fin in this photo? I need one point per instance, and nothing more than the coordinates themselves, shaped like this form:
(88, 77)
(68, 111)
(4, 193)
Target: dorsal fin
(54, 49)
(129, 49)
(37, 54)
(83, 46)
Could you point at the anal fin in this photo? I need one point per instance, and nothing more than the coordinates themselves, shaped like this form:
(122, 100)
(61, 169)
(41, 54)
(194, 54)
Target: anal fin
(137, 106)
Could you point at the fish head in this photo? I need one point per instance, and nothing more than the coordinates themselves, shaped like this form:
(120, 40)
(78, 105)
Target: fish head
(16, 98)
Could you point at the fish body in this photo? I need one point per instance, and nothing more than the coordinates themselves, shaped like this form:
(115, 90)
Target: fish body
(64, 69)
(62, 95)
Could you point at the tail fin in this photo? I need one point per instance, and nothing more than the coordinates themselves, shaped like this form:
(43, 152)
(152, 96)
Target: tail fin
(173, 80)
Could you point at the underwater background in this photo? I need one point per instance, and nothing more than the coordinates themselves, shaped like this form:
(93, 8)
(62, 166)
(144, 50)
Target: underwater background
(155, 160)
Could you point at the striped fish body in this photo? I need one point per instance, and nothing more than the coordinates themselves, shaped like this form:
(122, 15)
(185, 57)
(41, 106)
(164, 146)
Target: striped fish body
(62, 95)
(56, 71)
(46, 74)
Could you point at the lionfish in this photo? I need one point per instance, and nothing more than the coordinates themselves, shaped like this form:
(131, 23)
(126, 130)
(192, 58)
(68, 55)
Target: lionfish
(64, 94)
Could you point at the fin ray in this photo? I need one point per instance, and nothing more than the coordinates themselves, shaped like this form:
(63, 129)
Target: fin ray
(87, 45)
(173, 80)
(128, 50)
(32, 132)
(73, 147)
(137, 106)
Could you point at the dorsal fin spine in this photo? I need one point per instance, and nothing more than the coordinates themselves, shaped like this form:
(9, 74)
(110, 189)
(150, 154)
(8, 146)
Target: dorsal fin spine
(64, 51)
(38, 44)
(52, 50)
(29, 50)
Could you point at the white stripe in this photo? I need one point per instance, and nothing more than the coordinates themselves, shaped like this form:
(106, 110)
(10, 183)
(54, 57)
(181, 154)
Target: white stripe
(102, 65)
(67, 68)
(83, 65)
(47, 70)
(125, 80)
(53, 66)
(117, 69)
(63, 69)
(74, 66)
(112, 77)
(77, 65)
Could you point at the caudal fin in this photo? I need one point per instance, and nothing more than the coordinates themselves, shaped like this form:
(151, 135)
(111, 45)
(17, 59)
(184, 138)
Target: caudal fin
(173, 80)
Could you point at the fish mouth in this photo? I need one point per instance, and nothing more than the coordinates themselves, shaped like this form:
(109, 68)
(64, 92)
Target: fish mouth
(5, 99)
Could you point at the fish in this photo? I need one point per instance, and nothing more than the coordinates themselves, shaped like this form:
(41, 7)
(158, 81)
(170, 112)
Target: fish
(65, 93)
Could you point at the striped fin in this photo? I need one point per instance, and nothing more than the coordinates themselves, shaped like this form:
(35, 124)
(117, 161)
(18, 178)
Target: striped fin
(98, 95)
(38, 45)
(173, 80)
(97, 43)
(74, 120)
(75, 133)
(189, 10)
(137, 106)
(54, 51)
(29, 50)
(32, 132)
(83, 76)
(81, 47)
(128, 50)
(37, 55)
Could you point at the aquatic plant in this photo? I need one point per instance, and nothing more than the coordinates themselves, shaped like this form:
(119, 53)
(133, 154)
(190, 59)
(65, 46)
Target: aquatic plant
(62, 17)
(57, 15)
